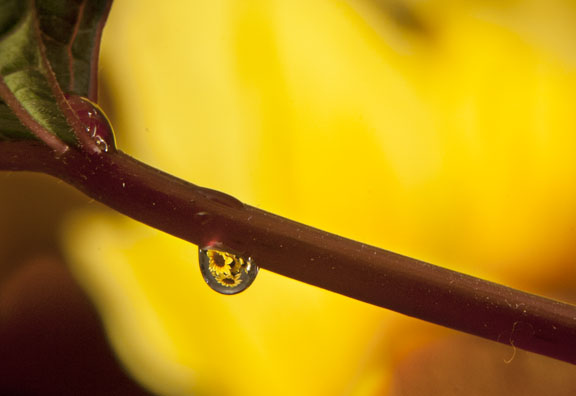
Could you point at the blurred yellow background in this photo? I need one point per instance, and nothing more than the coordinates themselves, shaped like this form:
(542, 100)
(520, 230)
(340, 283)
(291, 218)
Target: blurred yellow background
(443, 130)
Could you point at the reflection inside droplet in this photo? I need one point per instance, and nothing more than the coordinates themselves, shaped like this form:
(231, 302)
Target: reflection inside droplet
(225, 272)
(97, 125)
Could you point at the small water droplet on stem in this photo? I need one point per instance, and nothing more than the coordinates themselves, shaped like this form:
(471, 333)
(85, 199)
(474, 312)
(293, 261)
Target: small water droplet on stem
(204, 217)
(94, 119)
(220, 197)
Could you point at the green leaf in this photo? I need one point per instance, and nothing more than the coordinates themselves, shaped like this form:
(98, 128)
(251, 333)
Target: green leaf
(47, 48)
(71, 31)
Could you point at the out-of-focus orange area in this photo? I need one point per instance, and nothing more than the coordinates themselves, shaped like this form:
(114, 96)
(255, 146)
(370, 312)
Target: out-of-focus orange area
(443, 130)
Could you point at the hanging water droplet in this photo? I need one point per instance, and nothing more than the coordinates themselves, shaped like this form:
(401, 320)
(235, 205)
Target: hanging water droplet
(97, 125)
(225, 272)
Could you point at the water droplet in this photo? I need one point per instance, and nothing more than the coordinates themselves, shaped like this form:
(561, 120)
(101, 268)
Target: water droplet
(97, 125)
(220, 197)
(204, 217)
(225, 272)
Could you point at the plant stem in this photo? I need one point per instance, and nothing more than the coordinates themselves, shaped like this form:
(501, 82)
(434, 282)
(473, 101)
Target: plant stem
(363, 272)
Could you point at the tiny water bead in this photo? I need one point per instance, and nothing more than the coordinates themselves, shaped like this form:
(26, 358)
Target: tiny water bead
(94, 119)
(225, 272)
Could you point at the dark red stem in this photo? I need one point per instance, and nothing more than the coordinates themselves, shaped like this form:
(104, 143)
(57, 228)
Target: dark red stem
(351, 268)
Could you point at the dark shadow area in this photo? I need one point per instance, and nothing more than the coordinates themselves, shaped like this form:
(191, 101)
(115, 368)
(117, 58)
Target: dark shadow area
(51, 339)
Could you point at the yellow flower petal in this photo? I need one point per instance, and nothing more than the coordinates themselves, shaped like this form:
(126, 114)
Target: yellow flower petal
(453, 144)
